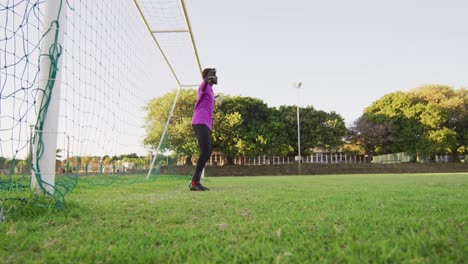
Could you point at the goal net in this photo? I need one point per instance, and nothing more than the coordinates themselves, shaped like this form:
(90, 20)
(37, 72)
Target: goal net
(74, 80)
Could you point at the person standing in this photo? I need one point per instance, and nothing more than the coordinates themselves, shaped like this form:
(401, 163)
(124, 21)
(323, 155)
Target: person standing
(202, 121)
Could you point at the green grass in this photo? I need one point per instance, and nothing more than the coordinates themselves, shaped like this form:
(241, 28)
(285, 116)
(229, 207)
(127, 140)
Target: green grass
(331, 219)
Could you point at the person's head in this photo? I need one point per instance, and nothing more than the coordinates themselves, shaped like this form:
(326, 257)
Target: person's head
(208, 72)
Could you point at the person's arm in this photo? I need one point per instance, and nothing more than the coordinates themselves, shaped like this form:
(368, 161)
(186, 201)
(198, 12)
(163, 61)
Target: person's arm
(203, 85)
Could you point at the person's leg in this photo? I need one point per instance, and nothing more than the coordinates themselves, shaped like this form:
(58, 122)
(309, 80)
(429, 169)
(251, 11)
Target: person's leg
(203, 134)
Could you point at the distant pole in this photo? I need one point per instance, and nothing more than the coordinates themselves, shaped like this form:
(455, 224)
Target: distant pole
(298, 86)
(67, 164)
(30, 148)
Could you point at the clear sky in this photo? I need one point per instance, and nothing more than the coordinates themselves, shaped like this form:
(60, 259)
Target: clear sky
(346, 53)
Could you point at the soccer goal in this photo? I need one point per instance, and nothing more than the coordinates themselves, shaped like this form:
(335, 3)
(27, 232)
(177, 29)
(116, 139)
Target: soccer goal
(74, 79)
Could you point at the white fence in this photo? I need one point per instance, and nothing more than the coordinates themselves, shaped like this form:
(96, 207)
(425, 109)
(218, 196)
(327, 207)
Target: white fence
(217, 159)
(330, 158)
(403, 157)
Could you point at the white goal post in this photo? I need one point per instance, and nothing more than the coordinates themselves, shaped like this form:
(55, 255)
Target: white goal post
(85, 70)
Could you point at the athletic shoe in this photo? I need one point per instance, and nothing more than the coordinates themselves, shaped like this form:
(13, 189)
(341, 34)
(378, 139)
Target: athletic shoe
(204, 187)
(197, 187)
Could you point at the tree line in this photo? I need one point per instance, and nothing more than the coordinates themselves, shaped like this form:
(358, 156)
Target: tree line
(423, 122)
(76, 163)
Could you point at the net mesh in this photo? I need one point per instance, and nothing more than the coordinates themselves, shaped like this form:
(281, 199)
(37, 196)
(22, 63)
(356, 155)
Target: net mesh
(111, 67)
(166, 20)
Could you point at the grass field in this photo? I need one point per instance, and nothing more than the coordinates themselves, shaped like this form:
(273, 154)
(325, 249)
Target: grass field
(387, 218)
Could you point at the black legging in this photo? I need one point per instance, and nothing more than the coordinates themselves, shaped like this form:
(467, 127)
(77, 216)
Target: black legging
(203, 134)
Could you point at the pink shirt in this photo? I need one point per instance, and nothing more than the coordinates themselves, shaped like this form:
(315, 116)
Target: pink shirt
(203, 111)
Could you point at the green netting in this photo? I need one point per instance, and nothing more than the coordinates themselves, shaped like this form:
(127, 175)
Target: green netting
(106, 79)
(168, 163)
(21, 23)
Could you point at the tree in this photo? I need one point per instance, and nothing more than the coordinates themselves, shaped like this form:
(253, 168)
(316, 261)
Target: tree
(180, 134)
(318, 129)
(279, 143)
(288, 116)
(331, 130)
(106, 160)
(249, 135)
(243, 127)
(446, 116)
(428, 120)
(374, 137)
(226, 136)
